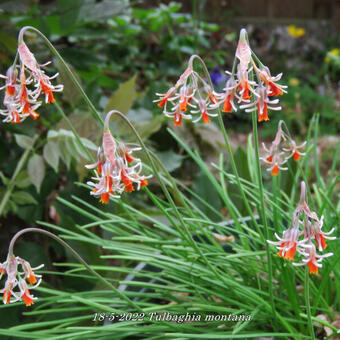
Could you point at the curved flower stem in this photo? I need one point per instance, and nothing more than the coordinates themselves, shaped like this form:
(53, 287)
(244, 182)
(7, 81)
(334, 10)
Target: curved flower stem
(230, 153)
(77, 256)
(18, 168)
(309, 314)
(66, 67)
(185, 233)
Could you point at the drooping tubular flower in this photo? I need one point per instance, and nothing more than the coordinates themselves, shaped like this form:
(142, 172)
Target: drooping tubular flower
(16, 278)
(307, 224)
(282, 148)
(261, 104)
(240, 84)
(117, 170)
(190, 93)
(22, 93)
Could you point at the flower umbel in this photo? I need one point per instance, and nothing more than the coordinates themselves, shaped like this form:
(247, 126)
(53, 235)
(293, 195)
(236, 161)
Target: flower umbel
(117, 170)
(191, 92)
(240, 85)
(16, 279)
(290, 243)
(22, 93)
(282, 148)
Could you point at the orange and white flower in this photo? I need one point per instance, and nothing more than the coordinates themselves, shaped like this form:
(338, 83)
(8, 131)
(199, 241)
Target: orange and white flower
(21, 97)
(312, 259)
(15, 279)
(290, 243)
(294, 150)
(42, 81)
(117, 169)
(190, 93)
(252, 95)
(229, 95)
(281, 150)
(270, 82)
(261, 104)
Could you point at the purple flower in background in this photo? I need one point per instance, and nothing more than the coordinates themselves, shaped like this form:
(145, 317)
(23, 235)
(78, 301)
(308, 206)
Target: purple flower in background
(217, 76)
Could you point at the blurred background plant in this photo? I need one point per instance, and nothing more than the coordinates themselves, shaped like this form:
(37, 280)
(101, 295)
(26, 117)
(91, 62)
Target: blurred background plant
(123, 52)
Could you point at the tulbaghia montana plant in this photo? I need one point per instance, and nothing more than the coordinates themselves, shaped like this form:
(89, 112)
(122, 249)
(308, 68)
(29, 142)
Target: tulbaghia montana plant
(307, 224)
(116, 168)
(24, 84)
(192, 91)
(281, 150)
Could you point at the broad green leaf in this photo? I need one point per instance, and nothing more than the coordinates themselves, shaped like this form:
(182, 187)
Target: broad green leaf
(124, 97)
(23, 197)
(36, 170)
(170, 159)
(70, 11)
(88, 144)
(24, 141)
(51, 154)
(94, 11)
(4, 179)
(23, 181)
(64, 153)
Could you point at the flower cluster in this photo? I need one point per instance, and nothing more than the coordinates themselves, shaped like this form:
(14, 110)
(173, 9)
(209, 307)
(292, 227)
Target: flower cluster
(190, 91)
(282, 148)
(239, 85)
(18, 279)
(117, 170)
(24, 84)
(193, 91)
(311, 229)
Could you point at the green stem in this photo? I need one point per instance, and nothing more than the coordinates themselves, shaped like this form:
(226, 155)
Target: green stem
(309, 314)
(78, 257)
(18, 168)
(66, 67)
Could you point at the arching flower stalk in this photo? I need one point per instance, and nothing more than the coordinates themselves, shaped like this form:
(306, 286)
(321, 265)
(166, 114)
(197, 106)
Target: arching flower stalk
(240, 87)
(28, 279)
(190, 93)
(281, 150)
(23, 91)
(307, 224)
(116, 169)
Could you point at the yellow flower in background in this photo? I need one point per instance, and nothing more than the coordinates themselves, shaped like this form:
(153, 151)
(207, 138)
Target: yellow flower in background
(296, 32)
(333, 53)
(294, 82)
